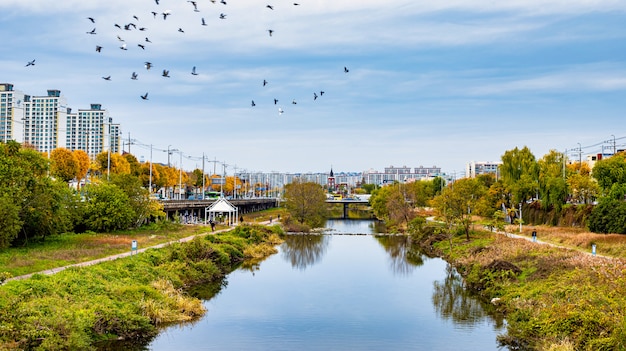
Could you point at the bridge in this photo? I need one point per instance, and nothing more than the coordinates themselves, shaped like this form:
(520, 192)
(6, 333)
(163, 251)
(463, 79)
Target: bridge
(347, 202)
(197, 207)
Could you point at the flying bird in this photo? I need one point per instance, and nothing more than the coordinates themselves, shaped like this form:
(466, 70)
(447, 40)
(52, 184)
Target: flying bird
(145, 96)
(93, 31)
(264, 82)
(135, 17)
(148, 40)
(118, 26)
(133, 76)
(148, 65)
(345, 69)
(120, 38)
(295, 4)
(223, 2)
(166, 13)
(253, 104)
(321, 93)
(166, 73)
(193, 71)
(280, 111)
(123, 47)
(270, 7)
(195, 5)
(91, 19)
(181, 30)
(275, 101)
(314, 96)
(30, 63)
(154, 14)
(98, 48)
(294, 101)
(157, 1)
(271, 31)
(203, 22)
(222, 16)
(143, 47)
(143, 29)
(107, 78)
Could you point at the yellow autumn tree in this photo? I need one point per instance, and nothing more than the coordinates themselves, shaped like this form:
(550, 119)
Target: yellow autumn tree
(63, 164)
(83, 163)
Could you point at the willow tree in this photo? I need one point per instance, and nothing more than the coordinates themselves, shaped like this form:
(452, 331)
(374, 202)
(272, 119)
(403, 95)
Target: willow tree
(552, 180)
(306, 202)
(519, 172)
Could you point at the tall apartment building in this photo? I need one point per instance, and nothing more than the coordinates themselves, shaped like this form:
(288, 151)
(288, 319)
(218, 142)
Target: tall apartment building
(47, 123)
(11, 113)
(401, 174)
(474, 168)
(44, 121)
(93, 131)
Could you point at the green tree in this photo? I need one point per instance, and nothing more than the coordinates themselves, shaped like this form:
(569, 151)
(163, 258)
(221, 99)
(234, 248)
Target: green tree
(552, 184)
(456, 203)
(10, 221)
(520, 174)
(138, 198)
(133, 163)
(306, 202)
(610, 171)
(107, 208)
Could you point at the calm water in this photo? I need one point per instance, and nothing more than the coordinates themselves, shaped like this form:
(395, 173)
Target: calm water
(340, 292)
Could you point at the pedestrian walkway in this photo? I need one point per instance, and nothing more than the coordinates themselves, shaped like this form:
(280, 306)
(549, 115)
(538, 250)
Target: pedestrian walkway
(126, 254)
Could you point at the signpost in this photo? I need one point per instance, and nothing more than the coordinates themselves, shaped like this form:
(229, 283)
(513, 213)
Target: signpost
(133, 247)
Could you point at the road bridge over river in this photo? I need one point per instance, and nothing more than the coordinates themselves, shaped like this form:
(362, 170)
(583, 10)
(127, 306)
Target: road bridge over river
(197, 207)
(346, 203)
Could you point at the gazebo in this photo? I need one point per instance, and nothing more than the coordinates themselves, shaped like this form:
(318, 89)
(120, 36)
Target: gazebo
(221, 206)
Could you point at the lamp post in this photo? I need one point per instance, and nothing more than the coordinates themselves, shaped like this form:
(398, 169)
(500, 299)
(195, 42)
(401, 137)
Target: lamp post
(150, 181)
(168, 155)
(580, 158)
(180, 177)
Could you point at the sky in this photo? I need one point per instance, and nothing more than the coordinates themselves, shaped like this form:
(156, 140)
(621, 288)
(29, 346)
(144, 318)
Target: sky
(428, 83)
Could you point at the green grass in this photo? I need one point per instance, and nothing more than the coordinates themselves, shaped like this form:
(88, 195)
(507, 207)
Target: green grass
(560, 299)
(125, 298)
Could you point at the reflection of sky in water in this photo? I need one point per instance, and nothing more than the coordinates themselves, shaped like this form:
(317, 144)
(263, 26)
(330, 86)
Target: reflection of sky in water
(347, 299)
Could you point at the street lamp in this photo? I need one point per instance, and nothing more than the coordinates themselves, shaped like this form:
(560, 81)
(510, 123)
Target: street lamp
(580, 158)
(614, 149)
(180, 177)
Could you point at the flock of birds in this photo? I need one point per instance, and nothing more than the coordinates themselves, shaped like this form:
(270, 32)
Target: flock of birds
(135, 26)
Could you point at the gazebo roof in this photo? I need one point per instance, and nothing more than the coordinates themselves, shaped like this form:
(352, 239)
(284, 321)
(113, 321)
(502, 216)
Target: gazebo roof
(222, 205)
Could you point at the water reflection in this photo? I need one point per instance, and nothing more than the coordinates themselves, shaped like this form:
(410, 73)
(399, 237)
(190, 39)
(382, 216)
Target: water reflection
(404, 258)
(453, 302)
(303, 251)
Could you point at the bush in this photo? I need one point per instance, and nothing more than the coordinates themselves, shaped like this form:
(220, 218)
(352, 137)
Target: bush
(609, 216)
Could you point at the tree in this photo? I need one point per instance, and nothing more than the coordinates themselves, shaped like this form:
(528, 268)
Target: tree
(119, 164)
(139, 198)
(64, 165)
(107, 207)
(306, 202)
(457, 202)
(519, 173)
(135, 166)
(584, 189)
(552, 184)
(610, 171)
(83, 163)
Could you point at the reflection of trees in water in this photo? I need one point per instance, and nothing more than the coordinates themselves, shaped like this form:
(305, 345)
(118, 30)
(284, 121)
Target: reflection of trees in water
(404, 257)
(452, 301)
(304, 250)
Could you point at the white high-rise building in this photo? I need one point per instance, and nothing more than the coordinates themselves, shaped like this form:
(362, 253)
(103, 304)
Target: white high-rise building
(11, 114)
(91, 130)
(45, 120)
(474, 168)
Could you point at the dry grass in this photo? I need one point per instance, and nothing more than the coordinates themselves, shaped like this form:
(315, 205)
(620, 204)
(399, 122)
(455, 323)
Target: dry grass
(613, 245)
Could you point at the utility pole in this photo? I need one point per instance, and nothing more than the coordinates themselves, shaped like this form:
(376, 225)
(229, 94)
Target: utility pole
(203, 176)
(614, 147)
(520, 217)
(150, 181)
(580, 158)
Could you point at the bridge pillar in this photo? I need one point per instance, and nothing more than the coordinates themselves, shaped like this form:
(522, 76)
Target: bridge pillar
(345, 210)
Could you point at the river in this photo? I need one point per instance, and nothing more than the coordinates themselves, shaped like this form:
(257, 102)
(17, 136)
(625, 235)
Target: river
(341, 292)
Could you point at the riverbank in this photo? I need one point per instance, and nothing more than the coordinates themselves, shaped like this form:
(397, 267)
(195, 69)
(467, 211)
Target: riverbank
(554, 298)
(126, 298)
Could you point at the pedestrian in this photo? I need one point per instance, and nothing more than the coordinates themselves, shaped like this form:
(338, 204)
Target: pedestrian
(241, 219)
(270, 219)
(212, 225)
(279, 218)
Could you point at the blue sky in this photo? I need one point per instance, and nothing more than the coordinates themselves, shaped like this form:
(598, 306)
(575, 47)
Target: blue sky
(429, 83)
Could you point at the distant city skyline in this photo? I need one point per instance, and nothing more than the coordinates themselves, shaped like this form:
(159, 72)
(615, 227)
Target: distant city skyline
(404, 82)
